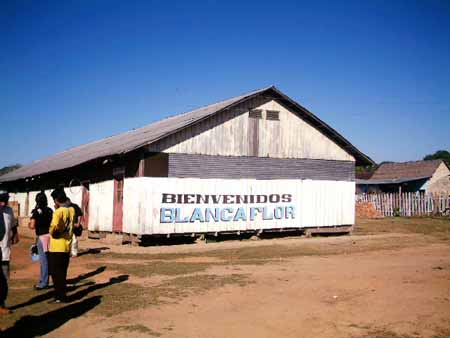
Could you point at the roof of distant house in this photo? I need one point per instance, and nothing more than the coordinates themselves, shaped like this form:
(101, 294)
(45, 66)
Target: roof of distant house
(405, 170)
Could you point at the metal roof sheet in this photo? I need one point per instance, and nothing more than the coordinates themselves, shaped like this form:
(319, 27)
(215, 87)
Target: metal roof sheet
(134, 139)
(391, 181)
(390, 171)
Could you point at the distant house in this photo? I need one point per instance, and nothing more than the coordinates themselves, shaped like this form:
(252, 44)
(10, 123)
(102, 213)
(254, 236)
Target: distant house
(424, 176)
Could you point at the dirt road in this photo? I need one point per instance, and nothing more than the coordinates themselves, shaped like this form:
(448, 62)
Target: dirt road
(368, 285)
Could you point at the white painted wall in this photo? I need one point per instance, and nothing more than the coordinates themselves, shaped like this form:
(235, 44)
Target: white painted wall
(440, 181)
(74, 193)
(316, 203)
(101, 206)
(21, 198)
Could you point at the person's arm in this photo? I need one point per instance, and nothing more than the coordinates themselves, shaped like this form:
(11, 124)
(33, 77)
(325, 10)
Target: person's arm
(54, 224)
(78, 216)
(32, 224)
(15, 237)
(15, 232)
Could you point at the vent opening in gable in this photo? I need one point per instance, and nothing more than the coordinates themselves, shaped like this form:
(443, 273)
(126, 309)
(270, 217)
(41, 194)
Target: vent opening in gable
(255, 114)
(273, 115)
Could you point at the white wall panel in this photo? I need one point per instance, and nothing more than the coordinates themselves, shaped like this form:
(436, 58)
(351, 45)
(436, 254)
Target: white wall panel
(101, 206)
(307, 203)
(73, 193)
(21, 197)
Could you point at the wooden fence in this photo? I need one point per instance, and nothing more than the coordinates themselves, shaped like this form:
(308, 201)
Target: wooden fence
(408, 204)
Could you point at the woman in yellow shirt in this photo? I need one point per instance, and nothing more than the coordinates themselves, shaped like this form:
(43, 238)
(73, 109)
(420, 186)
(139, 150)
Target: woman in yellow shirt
(61, 231)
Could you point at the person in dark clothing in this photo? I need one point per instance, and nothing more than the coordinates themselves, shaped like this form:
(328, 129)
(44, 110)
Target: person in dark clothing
(41, 217)
(77, 223)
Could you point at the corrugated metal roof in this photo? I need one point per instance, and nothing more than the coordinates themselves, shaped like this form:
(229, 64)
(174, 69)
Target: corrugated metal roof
(391, 181)
(134, 139)
(392, 171)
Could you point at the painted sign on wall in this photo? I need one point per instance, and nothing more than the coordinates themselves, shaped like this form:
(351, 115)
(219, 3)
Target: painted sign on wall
(237, 211)
(185, 205)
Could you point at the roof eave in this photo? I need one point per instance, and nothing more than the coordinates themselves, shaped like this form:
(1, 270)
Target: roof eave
(360, 157)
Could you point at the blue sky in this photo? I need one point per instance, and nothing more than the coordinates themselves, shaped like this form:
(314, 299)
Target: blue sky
(76, 71)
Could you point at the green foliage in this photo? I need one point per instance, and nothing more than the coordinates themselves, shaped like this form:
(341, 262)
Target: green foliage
(9, 168)
(439, 155)
(365, 172)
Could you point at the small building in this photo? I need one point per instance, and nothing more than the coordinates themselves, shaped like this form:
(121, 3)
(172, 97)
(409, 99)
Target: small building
(258, 161)
(432, 176)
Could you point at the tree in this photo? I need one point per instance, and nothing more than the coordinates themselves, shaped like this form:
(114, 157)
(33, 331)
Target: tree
(9, 168)
(439, 155)
(365, 172)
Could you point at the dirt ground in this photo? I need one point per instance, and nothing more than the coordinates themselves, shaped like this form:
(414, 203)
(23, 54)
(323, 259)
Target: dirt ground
(390, 278)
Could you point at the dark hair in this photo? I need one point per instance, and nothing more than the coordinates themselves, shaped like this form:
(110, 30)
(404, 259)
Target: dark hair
(41, 200)
(4, 197)
(59, 195)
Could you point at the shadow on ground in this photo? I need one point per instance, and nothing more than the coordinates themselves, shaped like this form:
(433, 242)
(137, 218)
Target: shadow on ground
(86, 275)
(33, 326)
(223, 237)
(84, 292)
(49, 295)
(92, 251)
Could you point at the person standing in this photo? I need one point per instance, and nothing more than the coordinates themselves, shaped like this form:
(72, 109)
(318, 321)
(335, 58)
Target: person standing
(40, 220)
(77, 223)
(9, 236)
(61, 232)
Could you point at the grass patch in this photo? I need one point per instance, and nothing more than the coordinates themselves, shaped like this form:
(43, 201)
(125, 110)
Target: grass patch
(21, 283)
(148, 269)
(382, 333)
(257, 255)
(35, 302)
(203, 283)
(116, 297)
(134, 328)
(432, 226)
(122, 297)
(442, 333)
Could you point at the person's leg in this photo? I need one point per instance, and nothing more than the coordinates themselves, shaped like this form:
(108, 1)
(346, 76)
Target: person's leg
(3, 286)
(4, 272)
(74, 246)
(43, 280)
(65, 259)
(56, 272)
(5, 268)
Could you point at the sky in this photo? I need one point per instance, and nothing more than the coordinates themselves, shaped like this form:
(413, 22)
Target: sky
(72, 72)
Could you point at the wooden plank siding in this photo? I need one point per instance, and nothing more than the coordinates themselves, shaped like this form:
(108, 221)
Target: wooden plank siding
(229, 167)
(231, 134)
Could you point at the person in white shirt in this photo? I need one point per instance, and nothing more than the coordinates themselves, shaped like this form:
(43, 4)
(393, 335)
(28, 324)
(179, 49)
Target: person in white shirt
(8, 236)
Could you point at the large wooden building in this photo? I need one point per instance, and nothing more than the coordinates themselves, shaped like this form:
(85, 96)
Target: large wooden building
(252, 162)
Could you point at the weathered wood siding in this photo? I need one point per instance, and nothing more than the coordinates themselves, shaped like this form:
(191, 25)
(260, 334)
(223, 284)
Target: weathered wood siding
(263, 168)
(230, 134)
(309, 204)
